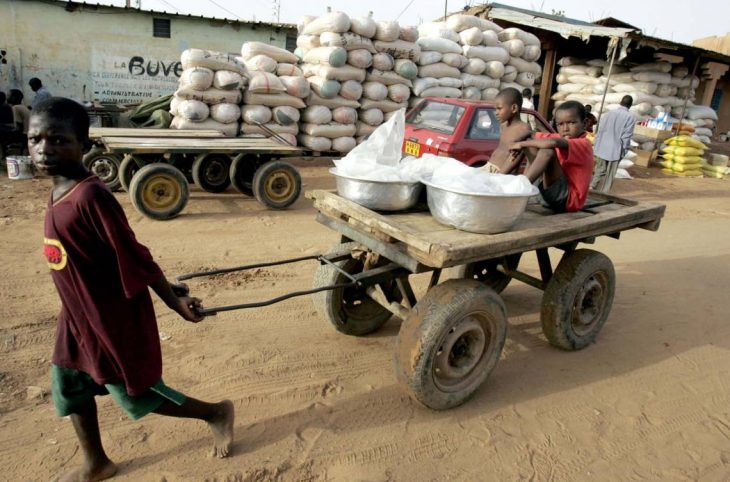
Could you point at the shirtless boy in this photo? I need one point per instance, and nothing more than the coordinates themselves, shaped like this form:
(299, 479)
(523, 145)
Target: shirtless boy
(507, 108)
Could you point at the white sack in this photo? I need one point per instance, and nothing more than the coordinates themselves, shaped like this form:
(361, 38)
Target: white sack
(251, 49)
(295, 86)
(387, 31)
(344, 115)
(210, 96)
(348, 41)
(438, 70)
(471, 36)
(351, 90)
(211, 60)
(334, 56)
(324, 88)
(442, 45)
(199, 78)
(227, 80)
(373, 117)
(265, 83)
(193, 110)
(225, 113)
(374, 90)
(261, 63)
(317, 144)
(364, 26)
(253, 114)
(399, 49)
(273, 100)
(330, 22)
(317, 114)
(360, 58)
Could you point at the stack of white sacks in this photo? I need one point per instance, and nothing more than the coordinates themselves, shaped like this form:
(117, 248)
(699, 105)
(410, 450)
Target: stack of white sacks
(276, 92)
(473, 58)
(655, 87)
(209, 92)
(360, 72)
(702, 118)
(335, 57)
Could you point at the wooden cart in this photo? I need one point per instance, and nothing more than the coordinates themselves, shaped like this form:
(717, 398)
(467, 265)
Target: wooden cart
(451, 338)
(155, 170)
(106, 165)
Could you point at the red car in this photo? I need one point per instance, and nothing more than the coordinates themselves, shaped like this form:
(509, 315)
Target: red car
(466, 130)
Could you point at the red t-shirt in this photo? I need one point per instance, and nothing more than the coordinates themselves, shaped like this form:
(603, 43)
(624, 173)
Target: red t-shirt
(576, 161)
(107, 326)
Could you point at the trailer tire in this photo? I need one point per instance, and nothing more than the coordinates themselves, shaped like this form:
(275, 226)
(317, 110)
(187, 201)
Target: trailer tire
(486, 271)
(450, 343)
(277, 184)
(104, 165)
(241, 174)
(578, 299)
(127, 169)
(350, 310)
(211, 172)
(159, 191)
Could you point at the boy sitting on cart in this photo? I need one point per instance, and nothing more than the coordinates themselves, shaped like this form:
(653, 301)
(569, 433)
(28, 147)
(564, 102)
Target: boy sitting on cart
(507, 108)
(563, 162)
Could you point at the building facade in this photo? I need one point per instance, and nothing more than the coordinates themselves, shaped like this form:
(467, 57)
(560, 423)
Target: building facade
(112, 54)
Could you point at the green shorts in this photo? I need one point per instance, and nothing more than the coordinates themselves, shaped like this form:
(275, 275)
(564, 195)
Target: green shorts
(73, 390)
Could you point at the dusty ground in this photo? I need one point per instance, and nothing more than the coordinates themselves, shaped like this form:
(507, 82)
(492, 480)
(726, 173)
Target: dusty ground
(648, 401)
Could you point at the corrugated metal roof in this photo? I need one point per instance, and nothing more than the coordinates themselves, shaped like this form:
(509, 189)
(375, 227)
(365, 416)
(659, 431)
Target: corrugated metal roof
(565, 27)
(69, 4)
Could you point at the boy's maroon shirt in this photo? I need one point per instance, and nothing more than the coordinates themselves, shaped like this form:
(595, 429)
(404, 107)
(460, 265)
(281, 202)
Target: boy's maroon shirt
(107, 326)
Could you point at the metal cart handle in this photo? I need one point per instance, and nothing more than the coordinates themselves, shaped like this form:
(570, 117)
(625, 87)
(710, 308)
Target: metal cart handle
(328, 259)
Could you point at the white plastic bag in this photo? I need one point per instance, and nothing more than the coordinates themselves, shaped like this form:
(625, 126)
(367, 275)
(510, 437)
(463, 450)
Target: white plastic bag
(383, 146)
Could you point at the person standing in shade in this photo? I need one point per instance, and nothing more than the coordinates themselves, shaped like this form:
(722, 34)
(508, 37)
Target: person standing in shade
(41, 93)
(612, 143)
(590, 118)
(528, 104)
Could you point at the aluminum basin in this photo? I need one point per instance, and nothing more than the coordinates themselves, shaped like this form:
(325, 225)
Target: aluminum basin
(378, 195)
(476, 212)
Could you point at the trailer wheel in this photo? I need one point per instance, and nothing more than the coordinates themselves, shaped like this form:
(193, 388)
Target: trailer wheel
(578, 299)
(350, 310)
(486, 271)
(211, 172)
(127, 169)
(241, 174)
(277, 184)
(450, 343)
(159, 191)
(104, 165)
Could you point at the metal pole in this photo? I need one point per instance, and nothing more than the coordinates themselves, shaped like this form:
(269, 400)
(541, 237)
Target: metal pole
(608, 79)
(686, 96)
(446, 3)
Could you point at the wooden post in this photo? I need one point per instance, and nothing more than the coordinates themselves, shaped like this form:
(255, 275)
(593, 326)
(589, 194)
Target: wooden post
(546, 86)
(615, 42)
(710, 86)
(686, 97)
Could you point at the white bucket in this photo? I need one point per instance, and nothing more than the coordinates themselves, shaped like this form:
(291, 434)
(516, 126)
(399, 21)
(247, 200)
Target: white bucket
(19, 167)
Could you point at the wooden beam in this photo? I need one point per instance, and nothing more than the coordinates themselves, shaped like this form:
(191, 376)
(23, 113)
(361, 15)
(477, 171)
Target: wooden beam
(546, 84)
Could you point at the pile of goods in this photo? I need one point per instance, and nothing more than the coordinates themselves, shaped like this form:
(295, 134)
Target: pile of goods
(700, 119)
(360, 72)
(472, 58)
(716, 166)
(683, 156)
(209, 93)
(656, 88)
(275, 94)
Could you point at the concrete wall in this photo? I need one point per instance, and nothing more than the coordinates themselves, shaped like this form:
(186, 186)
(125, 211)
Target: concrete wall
(108, 54)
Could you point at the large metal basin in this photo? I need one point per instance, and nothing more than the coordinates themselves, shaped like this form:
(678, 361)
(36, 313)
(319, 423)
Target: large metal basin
(378, 195)
(475, 212)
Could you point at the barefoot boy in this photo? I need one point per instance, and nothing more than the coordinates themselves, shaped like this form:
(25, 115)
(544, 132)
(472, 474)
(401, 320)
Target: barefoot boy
(507, 108)
(106, 338)
(564, 160)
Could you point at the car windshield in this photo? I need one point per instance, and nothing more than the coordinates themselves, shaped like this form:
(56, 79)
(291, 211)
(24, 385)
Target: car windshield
(437, 116)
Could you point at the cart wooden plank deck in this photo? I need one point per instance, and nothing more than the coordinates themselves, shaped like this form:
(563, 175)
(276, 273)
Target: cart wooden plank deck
(421, 243)
(98, 132)
(175, 145)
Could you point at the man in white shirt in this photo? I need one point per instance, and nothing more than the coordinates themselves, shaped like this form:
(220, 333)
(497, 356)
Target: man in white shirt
(527, 104)
(41, 93)
(612, 143)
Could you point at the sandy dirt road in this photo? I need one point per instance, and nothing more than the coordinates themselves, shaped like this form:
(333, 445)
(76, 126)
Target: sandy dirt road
(649, 401)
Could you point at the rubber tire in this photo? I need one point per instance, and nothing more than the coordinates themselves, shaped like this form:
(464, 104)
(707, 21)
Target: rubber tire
(242, 173)
(560, 297)
(127, 169)
(262, 176)
(492, 278)
(328, 302)
(200, 166)
(147, 174)
(425, 329)
(97, 153)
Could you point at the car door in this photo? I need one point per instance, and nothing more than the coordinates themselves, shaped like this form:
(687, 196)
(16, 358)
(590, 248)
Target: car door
(480, 138)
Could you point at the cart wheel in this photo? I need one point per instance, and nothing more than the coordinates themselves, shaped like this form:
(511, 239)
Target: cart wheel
(277, 184)
(104, 165)
(241, 174)
(350, 310)
(211, 172)
(450, 342)
(578, 299)
(127, 169)
(486, 271)
(159, 191)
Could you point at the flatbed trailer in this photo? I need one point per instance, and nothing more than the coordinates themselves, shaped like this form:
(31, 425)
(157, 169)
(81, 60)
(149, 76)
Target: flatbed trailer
(452, 337)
